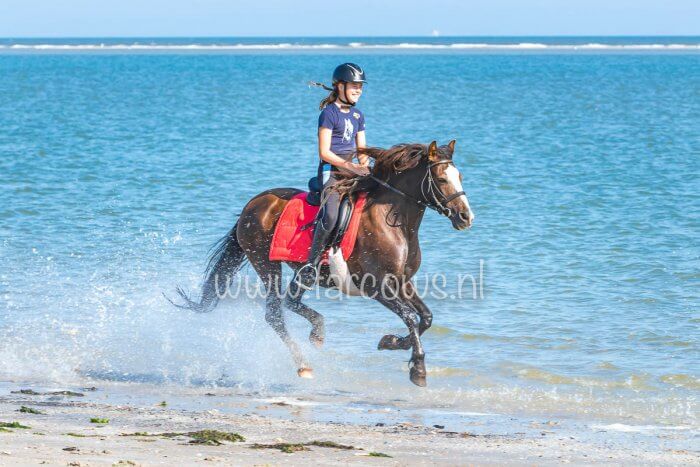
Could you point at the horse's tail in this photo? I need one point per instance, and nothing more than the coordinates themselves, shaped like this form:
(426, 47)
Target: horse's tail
(225, 259)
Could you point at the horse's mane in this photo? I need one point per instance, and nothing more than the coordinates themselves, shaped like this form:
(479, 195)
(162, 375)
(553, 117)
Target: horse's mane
(396, 159)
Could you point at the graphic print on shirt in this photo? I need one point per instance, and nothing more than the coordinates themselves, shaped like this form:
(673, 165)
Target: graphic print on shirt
(347, 134)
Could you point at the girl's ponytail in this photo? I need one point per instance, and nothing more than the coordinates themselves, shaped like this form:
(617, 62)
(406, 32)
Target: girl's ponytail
(329, 99)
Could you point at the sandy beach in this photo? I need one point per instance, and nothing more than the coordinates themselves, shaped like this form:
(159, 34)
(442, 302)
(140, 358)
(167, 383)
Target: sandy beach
(67, 431)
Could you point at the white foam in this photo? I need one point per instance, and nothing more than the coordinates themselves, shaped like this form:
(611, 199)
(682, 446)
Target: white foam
(476, 414)
(621, 427)
(173, 47)
(470, 46)
(352, 45)
(528, 45)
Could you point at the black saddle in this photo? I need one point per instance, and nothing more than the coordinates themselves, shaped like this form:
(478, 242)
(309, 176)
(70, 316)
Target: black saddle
(313, 197)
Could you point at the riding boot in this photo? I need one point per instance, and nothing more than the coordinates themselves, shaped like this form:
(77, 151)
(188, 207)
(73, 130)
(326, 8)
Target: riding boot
(308, 274)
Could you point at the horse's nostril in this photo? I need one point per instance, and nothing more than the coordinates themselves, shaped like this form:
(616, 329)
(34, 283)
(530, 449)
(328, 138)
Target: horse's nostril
(464, 216)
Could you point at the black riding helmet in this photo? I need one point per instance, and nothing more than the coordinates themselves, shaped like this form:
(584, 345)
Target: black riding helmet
(348, 73)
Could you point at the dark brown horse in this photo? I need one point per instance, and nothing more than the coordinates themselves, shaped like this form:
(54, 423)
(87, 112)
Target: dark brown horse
(404, 181)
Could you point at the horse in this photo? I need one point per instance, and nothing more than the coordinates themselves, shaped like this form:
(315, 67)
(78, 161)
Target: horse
(404, 181)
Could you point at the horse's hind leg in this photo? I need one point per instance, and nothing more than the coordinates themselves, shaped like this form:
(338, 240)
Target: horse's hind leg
(292, 300)
(271, 276)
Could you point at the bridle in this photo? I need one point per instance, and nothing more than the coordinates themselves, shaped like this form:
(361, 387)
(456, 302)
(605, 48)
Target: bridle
(433, 191)
(440, 205)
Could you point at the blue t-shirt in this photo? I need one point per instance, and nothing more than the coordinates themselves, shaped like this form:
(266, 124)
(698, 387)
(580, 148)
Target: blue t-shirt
(344, 127)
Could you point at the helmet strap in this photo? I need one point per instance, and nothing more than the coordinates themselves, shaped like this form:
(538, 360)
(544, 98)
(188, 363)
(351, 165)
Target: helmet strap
(344, 100)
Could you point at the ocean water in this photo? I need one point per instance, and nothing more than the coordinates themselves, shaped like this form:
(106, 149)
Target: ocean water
(120, 166)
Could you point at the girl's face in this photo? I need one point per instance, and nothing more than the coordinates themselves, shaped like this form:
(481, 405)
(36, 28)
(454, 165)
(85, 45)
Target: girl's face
(354, 91)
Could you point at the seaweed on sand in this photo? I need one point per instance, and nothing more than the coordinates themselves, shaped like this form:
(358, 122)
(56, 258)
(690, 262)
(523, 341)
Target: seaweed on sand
(32, 392)
(206, 437)
(80, 435)
(296, 447)
(284, 447)
(13, 425)
(213, 437)
(330, 444)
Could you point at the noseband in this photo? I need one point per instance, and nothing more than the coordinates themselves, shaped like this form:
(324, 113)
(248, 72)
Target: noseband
(433, 190)
(430, 194)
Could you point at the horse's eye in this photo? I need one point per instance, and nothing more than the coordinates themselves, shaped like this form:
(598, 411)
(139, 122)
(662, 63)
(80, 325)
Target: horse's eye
(441, 180)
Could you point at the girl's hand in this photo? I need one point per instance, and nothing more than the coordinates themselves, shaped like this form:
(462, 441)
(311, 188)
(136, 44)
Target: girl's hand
(357, 169)
(360, 169)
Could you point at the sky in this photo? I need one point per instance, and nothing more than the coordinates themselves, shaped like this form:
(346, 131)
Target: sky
(188, 18)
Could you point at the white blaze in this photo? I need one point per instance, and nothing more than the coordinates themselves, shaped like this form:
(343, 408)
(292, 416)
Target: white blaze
(452, 175)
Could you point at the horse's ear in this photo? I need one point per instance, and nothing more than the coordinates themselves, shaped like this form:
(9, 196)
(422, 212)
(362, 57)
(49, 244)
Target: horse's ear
(433, 152)
(451, 145)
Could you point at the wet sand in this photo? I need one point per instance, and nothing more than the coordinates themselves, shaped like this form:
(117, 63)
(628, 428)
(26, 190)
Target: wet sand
(63, 434)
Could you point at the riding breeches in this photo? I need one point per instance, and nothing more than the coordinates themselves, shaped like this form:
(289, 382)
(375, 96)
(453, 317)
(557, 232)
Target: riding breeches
(328, 217)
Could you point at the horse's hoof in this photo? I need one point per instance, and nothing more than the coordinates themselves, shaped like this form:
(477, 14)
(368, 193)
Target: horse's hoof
(388, 342)
(418, 377)
(391, 342)
(307, 373)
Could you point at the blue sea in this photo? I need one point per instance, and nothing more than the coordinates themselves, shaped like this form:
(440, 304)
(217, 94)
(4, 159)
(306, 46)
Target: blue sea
(123, 160)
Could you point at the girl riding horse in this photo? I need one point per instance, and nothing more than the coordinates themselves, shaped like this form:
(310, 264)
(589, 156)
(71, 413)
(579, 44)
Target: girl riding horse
(341, 132)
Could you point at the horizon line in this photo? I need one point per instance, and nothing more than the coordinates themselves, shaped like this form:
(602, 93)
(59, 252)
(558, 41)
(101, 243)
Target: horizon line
(342, 37)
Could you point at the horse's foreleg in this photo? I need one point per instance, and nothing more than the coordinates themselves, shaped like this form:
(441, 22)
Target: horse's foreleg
(392, 342)
(292, 300)
(402, 307)
(426, 316)
(275, 318)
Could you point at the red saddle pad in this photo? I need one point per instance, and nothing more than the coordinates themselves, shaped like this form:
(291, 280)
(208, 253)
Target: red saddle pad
(291, 243)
